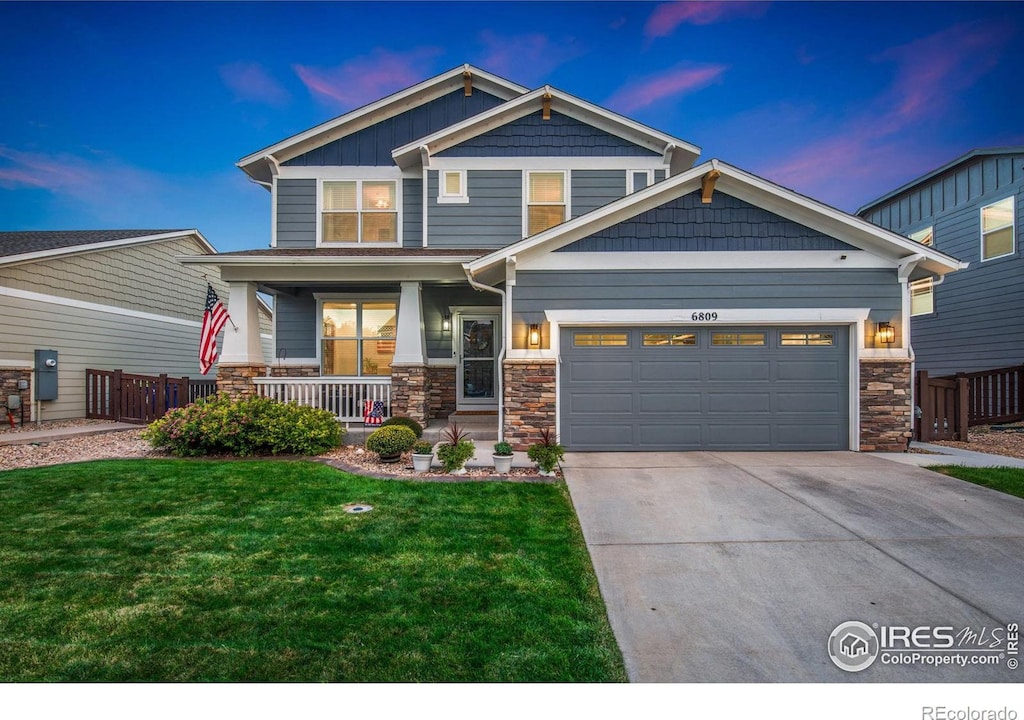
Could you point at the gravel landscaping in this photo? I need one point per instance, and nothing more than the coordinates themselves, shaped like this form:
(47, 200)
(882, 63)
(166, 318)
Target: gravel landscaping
(984, 439)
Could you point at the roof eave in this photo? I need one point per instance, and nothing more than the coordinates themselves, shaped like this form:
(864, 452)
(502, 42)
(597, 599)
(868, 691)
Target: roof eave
(107, 245)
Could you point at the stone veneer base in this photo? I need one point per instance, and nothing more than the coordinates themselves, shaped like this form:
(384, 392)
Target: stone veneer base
(410, 392)
(442, 390)
(236, 380)
(9, 378)
(530, 400)
(886, 405)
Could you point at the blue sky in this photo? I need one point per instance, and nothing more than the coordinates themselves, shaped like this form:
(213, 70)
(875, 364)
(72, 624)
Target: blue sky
(124, 115)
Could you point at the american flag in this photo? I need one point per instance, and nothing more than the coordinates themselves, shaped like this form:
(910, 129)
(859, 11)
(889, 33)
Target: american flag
(373, 412)
(214, 317)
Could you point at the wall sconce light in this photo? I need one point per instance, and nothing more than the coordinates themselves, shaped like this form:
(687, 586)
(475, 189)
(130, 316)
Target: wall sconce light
(446, 322)
(885, 333)
(534, 336)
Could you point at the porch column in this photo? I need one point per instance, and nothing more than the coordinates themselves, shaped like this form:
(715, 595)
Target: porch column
(241, 356)
(410, 391)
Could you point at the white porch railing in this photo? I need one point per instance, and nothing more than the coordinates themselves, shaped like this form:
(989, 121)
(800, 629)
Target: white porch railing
(343, 396)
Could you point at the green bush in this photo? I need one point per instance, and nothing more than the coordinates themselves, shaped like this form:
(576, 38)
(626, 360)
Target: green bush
(391, 440)
(546, 453)
(502, 448)
(248, 426)
(453, 457)
(422, 447)
(405, 422)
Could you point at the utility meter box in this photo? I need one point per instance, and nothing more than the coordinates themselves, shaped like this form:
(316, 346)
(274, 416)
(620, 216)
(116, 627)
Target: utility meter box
(46, 374)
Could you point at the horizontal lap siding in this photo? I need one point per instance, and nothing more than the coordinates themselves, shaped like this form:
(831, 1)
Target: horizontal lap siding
(493, 217)
(296, 326)
(93, 339)
(537, 291)
(437, 300)
(593, 188)
(412, 212)
(978, 321)
(296, 213)
(688, 225)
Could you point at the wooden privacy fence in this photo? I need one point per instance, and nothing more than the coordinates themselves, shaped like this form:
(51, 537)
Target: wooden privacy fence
(123, 397)
(952, 404)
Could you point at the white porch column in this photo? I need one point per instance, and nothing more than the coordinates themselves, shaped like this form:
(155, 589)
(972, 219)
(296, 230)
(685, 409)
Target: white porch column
(242, 347)
(410, 338)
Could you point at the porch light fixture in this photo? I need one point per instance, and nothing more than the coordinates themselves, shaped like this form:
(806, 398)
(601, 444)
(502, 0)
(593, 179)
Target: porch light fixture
(885, 333)
(446, 322)
(534, 335)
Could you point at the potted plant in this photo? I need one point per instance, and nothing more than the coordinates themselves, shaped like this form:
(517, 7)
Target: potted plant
(422, 456)
(390, 442)
(546, 453)
(455, 450)
(502, 458)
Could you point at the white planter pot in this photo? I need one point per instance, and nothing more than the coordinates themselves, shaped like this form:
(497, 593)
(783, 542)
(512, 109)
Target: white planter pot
(546, 473)
(460, 471)
(502, 464)
(421, 463)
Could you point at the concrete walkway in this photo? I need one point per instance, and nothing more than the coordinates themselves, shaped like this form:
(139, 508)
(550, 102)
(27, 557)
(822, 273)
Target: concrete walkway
(737, 567)
(45, 435)
(942, 455)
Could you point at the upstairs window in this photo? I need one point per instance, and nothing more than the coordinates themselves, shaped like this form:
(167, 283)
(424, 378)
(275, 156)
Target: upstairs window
(997, 229)
(922, 294)
(452, 187)
(545, 204)
(925, 237)
(359, 211)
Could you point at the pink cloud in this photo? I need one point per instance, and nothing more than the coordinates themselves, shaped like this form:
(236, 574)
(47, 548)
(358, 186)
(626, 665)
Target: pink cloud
(57, 173)
(525, 58)
(668, 16)
(680, 81)
(368, 78)
(251, 82)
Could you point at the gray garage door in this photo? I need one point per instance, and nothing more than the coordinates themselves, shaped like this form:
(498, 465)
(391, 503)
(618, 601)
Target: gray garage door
(716, 388)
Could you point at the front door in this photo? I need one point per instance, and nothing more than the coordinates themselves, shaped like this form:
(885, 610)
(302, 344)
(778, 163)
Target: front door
(478, 344)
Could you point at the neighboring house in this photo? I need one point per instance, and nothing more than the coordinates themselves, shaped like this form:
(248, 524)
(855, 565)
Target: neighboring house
(103, 299)
(471, 245)
(968, 208)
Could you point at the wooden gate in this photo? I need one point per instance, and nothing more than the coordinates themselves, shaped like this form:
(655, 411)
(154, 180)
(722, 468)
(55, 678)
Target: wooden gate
(123, 397)
(943, 403)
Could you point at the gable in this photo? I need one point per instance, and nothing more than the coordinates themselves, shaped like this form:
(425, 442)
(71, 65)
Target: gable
(532, 136)
(685, 224)
(373, 145)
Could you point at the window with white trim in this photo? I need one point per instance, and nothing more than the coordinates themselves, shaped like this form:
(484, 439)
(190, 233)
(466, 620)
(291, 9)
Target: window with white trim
(545, 200)
(922, 292)
(359, 211)
(997, 229)
(357, 338)
(451, 187)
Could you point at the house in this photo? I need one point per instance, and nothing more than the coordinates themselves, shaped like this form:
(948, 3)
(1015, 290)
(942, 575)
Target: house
(968, 208)
(102, 299)
(470, 245)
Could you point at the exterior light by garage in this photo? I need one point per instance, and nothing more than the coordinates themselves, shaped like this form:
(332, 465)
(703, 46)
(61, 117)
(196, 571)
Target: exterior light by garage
(885, 333)
(534, 337)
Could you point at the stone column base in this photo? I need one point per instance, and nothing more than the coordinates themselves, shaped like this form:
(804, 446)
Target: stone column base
(886, 405)
(236, 380)
(443, 400)
(410, 392)
(302, 371)
(530, 401)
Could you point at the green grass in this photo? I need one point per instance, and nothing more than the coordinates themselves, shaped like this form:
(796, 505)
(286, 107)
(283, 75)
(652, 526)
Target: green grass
(177, 570)
(1004, 479)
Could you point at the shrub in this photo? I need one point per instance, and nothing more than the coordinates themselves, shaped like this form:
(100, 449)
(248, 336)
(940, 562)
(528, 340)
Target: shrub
(422, 447)
(547, 452)
(391, 441)
(456, 450)
(247, 426)
(502, 448)
(405, 422)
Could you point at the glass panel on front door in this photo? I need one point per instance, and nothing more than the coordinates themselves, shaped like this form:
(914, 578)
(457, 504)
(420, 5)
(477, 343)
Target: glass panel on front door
(478, 359)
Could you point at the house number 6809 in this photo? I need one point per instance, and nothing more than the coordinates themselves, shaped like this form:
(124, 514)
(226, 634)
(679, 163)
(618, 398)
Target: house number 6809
(702, 316)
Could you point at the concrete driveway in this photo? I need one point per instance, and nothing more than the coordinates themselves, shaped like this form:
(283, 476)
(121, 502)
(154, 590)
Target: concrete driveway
(737, 567)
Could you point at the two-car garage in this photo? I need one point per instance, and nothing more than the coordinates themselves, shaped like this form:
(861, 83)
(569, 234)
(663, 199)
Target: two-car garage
(705, 388)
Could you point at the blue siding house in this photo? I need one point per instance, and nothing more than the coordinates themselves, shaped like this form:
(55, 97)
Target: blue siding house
(968, 208)
(471, 245)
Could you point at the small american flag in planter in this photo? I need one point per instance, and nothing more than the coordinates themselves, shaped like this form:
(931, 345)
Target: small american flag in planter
(373, 412)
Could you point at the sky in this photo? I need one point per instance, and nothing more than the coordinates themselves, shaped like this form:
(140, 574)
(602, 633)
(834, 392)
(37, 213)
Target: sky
(133, 115)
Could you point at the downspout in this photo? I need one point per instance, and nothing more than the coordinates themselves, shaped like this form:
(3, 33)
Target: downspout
(507, 333)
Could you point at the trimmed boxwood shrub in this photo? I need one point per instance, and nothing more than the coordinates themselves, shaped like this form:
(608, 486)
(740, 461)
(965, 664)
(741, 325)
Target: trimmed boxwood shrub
(247, 426)
(405, 422)
(391, 441)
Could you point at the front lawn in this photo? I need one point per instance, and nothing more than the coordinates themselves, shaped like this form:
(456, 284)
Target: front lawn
(176, 570)
(1005, 479)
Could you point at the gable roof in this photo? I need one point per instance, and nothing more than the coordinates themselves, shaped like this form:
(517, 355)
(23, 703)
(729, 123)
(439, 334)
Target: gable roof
(966, 157)
(30, 245)
(258, 164)
(680, 153)
(835, 223)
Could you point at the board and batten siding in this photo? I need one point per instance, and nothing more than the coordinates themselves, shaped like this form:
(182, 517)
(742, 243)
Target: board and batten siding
(373, 145)
(978, 322)
(297, 326)
(688, 225)
(90, 338)
(532, 136)
(492, 218)
(539, 290)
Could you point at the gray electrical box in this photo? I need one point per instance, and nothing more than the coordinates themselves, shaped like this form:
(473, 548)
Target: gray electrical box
(46, 374)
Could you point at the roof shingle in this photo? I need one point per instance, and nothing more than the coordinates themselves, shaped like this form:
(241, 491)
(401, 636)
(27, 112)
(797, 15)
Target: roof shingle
(31, 241)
